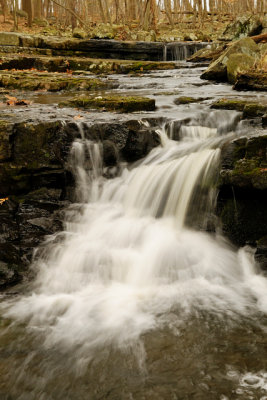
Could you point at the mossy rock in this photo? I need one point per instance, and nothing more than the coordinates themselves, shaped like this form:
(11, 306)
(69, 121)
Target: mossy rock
(238, 63)
(112, 103)
(9, 39)
(218, 68)
(188, 100)
(243, 26)
(79, 33)
(50, 82)
(249, 109)
(229, 104)
(247, 163)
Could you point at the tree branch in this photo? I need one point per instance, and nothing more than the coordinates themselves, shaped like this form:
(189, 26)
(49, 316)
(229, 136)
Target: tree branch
(71, 12)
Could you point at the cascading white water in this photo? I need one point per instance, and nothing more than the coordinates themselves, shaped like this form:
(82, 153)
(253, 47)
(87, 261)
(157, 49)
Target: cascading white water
(178, 51)
(128, 257)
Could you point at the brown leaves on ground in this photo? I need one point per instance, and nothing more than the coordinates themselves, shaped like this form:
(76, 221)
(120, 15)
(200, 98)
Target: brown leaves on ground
(13, 101)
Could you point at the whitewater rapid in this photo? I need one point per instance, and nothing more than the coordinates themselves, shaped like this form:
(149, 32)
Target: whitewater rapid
(134, 250)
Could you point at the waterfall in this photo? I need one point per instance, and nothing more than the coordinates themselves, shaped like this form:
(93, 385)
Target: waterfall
(131, 253)
(179, 51)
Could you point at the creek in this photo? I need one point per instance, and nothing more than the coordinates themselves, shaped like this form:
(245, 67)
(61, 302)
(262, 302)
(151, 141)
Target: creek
(141, 296)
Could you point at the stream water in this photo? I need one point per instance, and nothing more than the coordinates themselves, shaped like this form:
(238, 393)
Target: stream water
(135, 299)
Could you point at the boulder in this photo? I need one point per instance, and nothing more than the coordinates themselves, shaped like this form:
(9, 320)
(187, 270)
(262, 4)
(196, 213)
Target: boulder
(217, 70)
(243, 26)
(248, 165)
(102, 31)
(9, 39)
(238, 63)
(79, 33)
(242, 195)
(190, 37)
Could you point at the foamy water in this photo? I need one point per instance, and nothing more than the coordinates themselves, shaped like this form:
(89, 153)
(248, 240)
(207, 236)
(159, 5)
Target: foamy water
(128, 256)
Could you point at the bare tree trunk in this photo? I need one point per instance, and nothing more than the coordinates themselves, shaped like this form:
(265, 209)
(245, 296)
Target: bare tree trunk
(15, 9)
(168, 10)
(27, 7)
(153, 10)
(4, 8)
(102, 13)
(37, 8)
(108, 12)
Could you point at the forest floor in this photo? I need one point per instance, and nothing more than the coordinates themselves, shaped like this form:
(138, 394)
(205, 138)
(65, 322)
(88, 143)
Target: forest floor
(186, 29)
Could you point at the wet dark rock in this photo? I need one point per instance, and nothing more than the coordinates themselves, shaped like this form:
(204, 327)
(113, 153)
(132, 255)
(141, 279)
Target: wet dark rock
(243, 190)
(139, 143)
(261, 253)
(253, 80)
(243, 215)
(36, 179)
(128, 141)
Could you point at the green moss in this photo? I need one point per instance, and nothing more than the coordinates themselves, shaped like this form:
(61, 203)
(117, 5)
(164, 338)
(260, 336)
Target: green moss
(254, 109)
(237, 64)
(50, 82)
(188, 100)
(250, 109)
(112, 103)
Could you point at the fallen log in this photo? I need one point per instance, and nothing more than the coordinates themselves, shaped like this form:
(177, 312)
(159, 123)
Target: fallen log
(262, 38)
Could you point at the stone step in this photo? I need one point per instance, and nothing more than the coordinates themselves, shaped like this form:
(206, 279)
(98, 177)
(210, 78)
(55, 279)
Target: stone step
(95, 48)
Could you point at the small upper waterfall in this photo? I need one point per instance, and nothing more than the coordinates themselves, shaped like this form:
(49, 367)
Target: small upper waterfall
(179, 51)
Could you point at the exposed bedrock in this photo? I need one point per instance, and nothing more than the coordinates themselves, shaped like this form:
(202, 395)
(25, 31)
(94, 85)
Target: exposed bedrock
(243, 193)
(95, 48)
